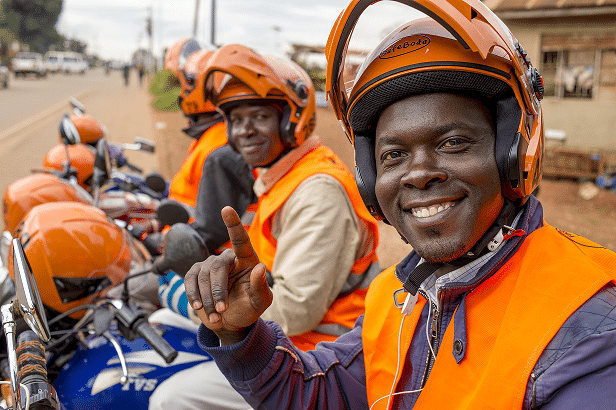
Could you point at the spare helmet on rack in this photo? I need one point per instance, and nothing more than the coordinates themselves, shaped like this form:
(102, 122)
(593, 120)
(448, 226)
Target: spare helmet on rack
(26, 193)
(236, 74)
(81, 158)
(76, 254)
(461, 46)
(89, 130)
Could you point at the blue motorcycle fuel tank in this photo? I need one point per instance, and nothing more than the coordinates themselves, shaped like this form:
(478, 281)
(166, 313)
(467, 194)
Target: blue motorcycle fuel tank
(91, 379)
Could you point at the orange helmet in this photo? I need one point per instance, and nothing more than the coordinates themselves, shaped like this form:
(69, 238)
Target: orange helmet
(236, 74)
(461, 47)
(176, 56)
(26, 193)
(81, 157)
(89, 129)
(192, 97)
(75, 252)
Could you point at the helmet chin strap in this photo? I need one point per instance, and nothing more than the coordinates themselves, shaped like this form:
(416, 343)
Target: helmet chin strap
(505, 218)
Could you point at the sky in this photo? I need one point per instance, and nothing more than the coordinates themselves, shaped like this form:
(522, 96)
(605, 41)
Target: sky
(114, 29)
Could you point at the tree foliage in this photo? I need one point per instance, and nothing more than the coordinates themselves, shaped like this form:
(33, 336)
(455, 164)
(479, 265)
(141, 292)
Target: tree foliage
(32, 21)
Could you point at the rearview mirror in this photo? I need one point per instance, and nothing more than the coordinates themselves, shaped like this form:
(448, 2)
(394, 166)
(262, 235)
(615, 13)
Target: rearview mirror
(156, 183)
(102, 163)
(78, 107)
(145, 145)
(170, 212)
(28, 297)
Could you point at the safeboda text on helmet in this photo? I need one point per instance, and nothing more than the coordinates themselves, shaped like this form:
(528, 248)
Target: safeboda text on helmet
(405, 45)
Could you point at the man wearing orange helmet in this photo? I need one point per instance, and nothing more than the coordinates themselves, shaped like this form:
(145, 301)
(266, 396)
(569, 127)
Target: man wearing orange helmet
(493, 308)
(313, 233)
(205, 124)
(212, 175)
(205, 182)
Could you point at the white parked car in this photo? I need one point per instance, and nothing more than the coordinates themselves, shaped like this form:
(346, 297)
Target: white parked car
(53, 61)
(28, 63)
(74, 63)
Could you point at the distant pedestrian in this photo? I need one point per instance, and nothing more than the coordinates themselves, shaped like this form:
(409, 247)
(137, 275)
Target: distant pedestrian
(141, 72)
(126, 73)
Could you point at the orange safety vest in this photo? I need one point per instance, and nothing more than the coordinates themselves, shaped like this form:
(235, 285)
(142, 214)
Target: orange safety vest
(319, 160)
(510, 319)
(185, 184)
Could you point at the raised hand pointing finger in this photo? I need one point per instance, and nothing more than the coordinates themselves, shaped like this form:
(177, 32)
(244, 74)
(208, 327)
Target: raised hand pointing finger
(229, 291)
(244, 252)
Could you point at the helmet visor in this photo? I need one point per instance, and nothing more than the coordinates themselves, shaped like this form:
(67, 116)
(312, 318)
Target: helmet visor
(236, 67)
(364, 24)
(191, 46)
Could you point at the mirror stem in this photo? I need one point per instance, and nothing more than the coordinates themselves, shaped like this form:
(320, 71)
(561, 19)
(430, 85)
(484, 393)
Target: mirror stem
(8, 323)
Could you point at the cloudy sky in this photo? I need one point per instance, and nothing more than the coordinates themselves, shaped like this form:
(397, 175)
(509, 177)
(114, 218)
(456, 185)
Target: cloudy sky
(113, 29)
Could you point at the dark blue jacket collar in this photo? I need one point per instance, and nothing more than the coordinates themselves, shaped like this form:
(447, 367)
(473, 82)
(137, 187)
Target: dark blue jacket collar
(531, 219)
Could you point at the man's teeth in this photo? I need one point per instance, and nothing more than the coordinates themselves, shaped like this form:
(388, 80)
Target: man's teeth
(424, 212)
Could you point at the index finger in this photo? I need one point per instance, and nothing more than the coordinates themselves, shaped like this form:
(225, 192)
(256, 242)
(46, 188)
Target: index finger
(237, 235)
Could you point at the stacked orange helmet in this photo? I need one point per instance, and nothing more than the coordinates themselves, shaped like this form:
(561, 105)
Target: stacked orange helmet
(81, 158)
(88, 128)
(236, 74)
(26, 193)
(75, 252)
(193, 98)
(176, 56)
(461, 47)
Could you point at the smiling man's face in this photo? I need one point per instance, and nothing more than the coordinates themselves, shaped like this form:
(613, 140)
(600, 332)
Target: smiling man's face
(437, 181)
(255, 131)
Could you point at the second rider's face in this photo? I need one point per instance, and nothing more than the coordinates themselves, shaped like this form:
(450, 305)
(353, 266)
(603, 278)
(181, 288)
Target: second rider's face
(437, 181)
(255, 131)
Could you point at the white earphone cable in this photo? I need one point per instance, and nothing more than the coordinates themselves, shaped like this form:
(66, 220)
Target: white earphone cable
(393, 385)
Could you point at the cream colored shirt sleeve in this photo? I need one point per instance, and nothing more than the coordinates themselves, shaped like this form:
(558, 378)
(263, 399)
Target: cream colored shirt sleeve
(318, 240)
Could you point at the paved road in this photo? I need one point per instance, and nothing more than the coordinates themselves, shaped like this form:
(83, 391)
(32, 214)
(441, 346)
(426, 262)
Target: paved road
(31, 109)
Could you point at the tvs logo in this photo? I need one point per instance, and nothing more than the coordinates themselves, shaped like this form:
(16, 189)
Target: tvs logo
(404, 46)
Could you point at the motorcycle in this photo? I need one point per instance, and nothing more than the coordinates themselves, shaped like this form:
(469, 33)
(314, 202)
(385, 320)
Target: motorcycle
(123, 196)
(111, 356)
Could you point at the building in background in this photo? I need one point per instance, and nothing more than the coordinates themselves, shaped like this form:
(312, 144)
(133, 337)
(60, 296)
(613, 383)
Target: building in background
(573, 45)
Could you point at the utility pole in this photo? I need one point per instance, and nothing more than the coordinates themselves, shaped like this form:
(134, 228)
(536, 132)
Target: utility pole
(196, 22)
(213, 25)
(149, 32)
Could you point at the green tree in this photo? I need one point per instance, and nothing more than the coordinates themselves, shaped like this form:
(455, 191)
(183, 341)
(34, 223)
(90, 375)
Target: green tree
(32, 21)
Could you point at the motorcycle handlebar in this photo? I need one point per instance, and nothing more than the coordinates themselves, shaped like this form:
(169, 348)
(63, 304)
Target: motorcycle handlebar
(160, 345)
(137, 323)
(33, 372)
(133, 167)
